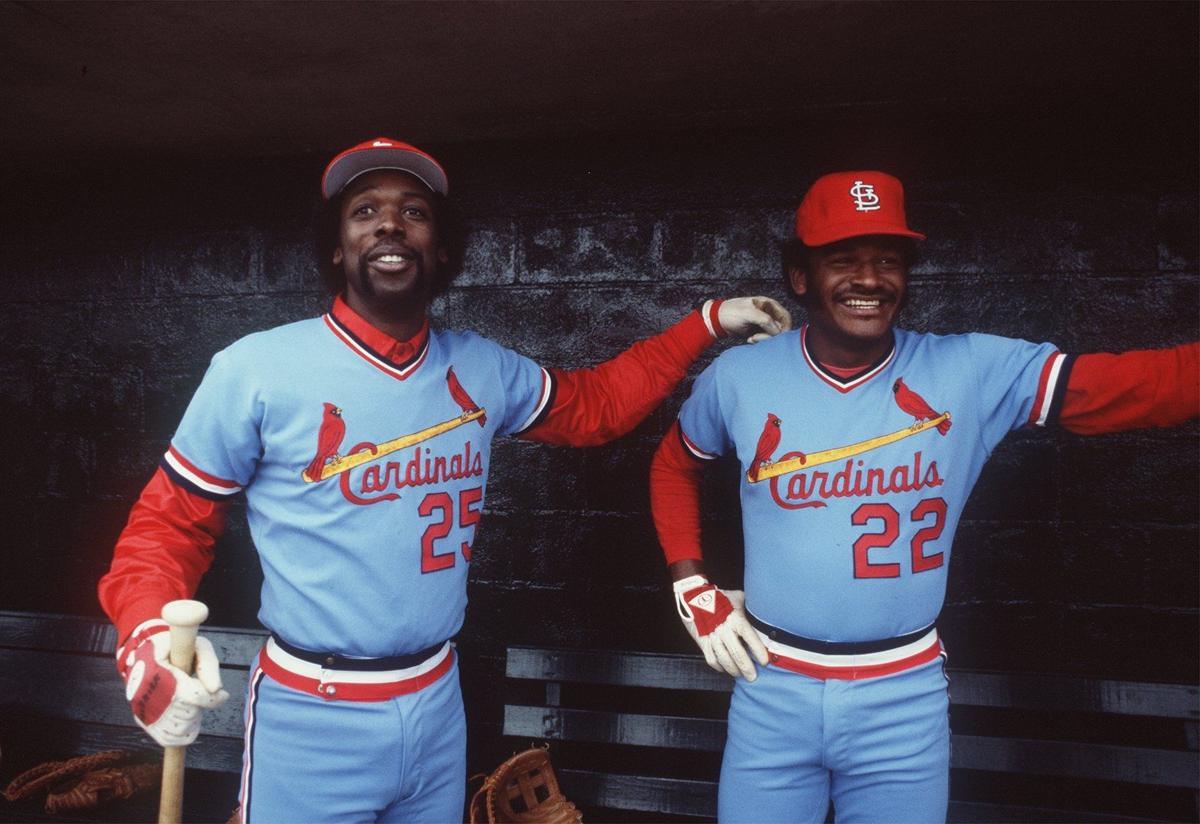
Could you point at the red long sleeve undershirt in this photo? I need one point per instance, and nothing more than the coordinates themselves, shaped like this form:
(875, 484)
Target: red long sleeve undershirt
(1132, 390)
(599, 404)
(167, 544)
(1105, 393)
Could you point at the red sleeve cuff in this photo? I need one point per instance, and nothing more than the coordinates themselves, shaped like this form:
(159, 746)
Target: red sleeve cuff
(694, 331)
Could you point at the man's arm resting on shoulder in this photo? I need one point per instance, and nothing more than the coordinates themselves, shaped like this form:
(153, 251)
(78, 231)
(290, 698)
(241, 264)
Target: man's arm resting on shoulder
(1132, 390)
(599, 404)
(165, 548)
(715, 618)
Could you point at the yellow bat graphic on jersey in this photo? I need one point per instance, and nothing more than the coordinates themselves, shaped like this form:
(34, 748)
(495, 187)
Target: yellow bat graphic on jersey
(348, 462)
(812, 459)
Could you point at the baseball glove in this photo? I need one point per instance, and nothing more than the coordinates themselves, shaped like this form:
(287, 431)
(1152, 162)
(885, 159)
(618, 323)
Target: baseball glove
(102, 786)
(84, 782)
(41, 778)
(523, 790)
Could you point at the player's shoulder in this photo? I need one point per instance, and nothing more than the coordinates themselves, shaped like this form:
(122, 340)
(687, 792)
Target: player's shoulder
(734, 369)
(482, 353)
(281, 340)
(958, 341)
(975, 346)
(753, 355)
(968, 339)
(464, 340)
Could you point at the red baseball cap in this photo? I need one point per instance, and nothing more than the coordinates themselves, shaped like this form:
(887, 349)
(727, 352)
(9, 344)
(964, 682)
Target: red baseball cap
(382, 153)
(850, 204)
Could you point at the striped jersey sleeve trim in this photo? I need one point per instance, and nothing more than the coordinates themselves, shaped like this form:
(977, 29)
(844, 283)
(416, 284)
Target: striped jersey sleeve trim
(1058, 397)
(1052, 387)
(544, 405)
(695, 451)
(187, 475)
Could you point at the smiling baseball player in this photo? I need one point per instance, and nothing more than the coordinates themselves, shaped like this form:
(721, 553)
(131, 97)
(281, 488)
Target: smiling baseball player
(859, 443)
(361, 440)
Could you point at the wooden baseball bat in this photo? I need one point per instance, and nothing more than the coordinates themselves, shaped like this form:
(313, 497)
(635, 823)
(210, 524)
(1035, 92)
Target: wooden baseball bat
(184, 618)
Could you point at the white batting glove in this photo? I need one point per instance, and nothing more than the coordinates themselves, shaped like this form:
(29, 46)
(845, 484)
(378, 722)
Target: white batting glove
(716, 620)
(166, 701)
(754, 318)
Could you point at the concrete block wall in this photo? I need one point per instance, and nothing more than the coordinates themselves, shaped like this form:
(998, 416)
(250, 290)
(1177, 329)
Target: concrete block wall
(1075, 555)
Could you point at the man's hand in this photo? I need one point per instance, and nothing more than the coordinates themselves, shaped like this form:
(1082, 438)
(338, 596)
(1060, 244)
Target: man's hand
(166, 701)
(716, 620)
(754, 318)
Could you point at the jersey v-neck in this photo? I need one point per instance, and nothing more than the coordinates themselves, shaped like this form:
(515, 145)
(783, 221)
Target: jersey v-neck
(398, 358)
(838, 379)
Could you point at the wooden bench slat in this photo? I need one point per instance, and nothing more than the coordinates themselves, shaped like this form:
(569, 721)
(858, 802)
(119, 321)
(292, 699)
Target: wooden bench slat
(1055, 692)
(68, 633)
(87, 688)
(680, 796)
(1069, 759)
(704, 734)
(1104, 762)
(208, 752)
(677, 796)
(969, 812)
(967, 687)
(235, 647)
(628, 669)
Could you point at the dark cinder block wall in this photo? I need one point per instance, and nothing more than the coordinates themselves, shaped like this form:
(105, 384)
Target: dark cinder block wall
(123, 275)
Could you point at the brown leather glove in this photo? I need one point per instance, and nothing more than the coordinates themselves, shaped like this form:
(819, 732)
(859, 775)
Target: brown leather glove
(523, 789)
(102, 786)
(84, 782)
(43, 777)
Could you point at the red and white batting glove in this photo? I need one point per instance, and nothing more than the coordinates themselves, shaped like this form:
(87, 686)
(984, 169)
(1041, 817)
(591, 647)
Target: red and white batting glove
(166, 700)
(753, 318)
(716, 620)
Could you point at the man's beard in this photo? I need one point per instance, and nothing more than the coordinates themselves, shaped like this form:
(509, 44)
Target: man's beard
(413, 300)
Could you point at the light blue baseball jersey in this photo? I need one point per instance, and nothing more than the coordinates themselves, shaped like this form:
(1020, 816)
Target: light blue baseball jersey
(372, 559)
(855, 543)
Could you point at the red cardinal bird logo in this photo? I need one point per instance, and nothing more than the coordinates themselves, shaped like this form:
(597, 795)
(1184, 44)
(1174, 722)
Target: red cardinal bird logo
(329, 438)
(461, 397)
(915, 405)
(768, 441)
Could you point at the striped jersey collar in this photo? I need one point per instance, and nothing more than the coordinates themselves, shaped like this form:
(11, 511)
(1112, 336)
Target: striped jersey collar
(398, 358)
(841, 383)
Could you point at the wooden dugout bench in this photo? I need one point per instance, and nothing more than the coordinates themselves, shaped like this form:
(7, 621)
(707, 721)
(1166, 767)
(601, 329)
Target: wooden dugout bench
(1035, 740)
(633, 733)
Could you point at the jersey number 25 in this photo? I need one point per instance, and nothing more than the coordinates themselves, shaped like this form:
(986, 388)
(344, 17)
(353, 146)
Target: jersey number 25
(432, 561)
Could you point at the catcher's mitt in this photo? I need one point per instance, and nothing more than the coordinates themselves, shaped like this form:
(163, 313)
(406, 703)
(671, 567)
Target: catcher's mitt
(523, 789)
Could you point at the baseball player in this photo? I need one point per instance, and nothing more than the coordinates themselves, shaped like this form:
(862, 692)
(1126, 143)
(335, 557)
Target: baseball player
(859, 443)
(361, 440)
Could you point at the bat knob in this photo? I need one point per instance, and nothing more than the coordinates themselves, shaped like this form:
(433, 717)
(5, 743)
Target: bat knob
(185, 613)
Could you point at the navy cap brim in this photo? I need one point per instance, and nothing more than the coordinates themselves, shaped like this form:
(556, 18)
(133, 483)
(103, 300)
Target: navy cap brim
(357, 163)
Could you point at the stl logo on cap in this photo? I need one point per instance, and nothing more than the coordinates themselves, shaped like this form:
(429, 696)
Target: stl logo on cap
(874, 206)
(865, 199)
